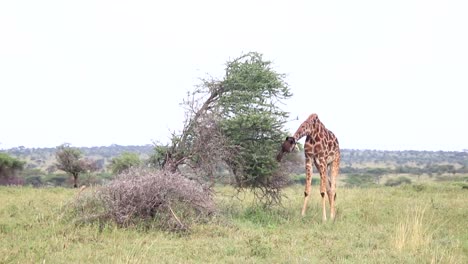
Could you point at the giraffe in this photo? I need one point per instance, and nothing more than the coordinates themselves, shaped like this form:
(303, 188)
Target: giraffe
(321, 148)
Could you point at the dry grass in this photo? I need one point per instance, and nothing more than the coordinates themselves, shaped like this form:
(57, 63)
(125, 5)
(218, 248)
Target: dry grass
(412, 233)
(418, 233)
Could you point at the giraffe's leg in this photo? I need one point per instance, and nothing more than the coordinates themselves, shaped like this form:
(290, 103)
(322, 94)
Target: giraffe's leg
(335, 167)
(332, 194)
(308, 183)
(323, 189)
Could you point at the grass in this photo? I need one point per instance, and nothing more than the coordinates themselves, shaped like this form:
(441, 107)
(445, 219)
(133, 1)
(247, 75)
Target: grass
(425, 223)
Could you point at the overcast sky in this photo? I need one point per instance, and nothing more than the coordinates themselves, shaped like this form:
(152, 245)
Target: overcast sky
(380, 74)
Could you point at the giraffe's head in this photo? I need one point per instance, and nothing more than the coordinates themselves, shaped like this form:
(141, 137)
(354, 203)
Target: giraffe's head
(288, 145)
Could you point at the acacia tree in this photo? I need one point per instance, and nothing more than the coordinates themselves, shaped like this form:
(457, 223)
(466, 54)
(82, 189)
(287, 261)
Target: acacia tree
(251, 115)
(235, 121)
(70, 160)
(124, 161)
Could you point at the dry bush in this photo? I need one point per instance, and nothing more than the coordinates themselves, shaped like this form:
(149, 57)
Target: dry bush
(155, 198)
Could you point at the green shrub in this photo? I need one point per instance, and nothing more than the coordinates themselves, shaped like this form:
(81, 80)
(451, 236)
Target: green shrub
(125, 161)
(301, 179)
(419, 187)
(398, 181)
(359, 180)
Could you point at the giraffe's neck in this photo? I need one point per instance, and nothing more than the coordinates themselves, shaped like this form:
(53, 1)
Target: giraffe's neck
(306, 129)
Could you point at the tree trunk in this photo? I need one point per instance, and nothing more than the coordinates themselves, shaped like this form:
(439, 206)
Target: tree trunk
(75, 180)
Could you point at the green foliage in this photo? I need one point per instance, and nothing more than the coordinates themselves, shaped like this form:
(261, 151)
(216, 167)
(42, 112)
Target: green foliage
(69, 159)
(33, 177)
(251, 85)
(158, 157)
(419, 187)
(35, 181)
(301, 179)
(124, 162)
(251, 117)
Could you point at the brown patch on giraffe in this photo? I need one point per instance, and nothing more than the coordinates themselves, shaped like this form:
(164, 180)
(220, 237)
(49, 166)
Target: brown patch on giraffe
(317, 148)
(317, 138)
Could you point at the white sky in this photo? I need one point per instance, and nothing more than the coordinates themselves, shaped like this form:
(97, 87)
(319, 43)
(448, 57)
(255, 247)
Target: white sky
(380, 74)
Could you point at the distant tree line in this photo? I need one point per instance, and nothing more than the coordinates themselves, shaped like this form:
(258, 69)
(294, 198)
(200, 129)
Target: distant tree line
(102, 151)
(353, 160)
(429, 169)
(38, 166)
(350, 157)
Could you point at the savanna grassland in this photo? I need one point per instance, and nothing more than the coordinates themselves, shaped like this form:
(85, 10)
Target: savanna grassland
(419, 223)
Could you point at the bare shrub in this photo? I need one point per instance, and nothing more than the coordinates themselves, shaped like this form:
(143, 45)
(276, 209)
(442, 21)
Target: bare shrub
(201, 149)
(147, 196)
